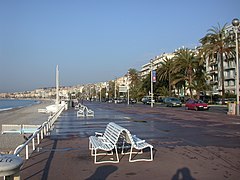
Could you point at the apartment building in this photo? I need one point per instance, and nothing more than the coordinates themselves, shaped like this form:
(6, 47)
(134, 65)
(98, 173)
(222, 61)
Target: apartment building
(213, 70)
(146, 68)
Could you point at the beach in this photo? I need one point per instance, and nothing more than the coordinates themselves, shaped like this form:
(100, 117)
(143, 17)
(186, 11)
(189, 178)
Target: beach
(27, 115)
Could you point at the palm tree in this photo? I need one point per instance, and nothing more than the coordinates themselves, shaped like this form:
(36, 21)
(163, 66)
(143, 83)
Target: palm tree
(135, 83)
(215, 44)
(164, 72)
(145, 84)
(200, 82)
(185, 64)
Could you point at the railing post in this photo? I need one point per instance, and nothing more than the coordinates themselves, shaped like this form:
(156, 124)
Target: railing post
(38, 140)
(27, 151)
(44, 130)
(33, 144)
(47, 127)
(41, 134)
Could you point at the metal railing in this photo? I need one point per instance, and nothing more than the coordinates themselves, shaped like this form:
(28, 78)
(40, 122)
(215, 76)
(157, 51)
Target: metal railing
(39, 134)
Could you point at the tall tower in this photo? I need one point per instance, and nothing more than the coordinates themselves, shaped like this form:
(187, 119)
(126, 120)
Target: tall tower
(57, 85)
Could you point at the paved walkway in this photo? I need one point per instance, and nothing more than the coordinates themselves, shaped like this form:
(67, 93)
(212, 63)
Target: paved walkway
(182, 149)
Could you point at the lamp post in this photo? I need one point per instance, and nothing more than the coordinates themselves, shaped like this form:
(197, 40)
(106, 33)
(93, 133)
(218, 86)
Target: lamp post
(128, 87)
(115, 91)
(57, 85)
(235, 23)
(151, 61)
(100, 98)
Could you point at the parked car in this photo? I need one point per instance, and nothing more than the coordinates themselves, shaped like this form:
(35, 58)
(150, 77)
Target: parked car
(121, 100)
(196, 105)
(219, 101)
(132, 101)
(147, 100)
(172, 102)
(226, 100)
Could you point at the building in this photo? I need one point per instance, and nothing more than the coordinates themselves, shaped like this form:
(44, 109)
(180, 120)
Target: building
(146, 68)
(213, 69)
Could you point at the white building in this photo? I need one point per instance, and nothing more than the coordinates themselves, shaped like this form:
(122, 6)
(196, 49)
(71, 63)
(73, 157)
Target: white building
(146, 68)
(213, 69)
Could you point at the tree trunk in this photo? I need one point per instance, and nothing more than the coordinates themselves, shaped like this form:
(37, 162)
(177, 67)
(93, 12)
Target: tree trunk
(222, 76)
(169, 84)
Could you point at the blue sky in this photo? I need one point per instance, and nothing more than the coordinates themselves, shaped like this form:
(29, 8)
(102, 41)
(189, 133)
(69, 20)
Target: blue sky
(96, 40)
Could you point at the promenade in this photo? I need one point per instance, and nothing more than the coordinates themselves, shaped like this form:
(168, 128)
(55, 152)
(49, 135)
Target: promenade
(187, 145)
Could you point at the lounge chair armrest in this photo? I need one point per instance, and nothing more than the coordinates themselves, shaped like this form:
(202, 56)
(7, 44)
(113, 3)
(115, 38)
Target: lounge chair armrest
(137, 140)
(140, 141)
(98, 134)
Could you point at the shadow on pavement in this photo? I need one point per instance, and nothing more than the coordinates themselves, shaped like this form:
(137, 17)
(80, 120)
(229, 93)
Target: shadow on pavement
(103, 172)
(183, 173)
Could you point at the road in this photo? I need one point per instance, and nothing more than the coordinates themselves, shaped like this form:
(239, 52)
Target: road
(187, 144)
(192, 127)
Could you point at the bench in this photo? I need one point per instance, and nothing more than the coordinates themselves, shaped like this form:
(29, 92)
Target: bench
(77, 106)
(29, 129)
(80, 113)
(11, 128)
(19, 129)
(138, 144)
(110, 140)
(106, 142)
(89, 112)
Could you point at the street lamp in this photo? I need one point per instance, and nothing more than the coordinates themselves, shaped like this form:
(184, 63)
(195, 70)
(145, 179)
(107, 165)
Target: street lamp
(151, 61)
(235, 23)
(115, 91)
(128, 87)
(100, 98)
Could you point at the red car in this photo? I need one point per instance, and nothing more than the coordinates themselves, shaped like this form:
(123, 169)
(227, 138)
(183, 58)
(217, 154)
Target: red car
(196, 105)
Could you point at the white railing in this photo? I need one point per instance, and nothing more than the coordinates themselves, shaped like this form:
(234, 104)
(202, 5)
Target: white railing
(39, 134)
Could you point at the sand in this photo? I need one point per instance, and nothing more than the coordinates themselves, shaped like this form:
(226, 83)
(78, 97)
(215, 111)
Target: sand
(27, 115)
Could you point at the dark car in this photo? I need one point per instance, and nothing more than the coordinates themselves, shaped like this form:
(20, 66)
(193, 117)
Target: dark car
(196, 105)
(132, 101)
(172, 102)
(147, 100)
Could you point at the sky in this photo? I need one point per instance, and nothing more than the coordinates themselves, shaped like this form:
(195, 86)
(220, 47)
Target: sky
(97, 40)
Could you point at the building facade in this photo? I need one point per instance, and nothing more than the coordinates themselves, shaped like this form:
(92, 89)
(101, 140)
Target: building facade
(213, 70)
(146, 68)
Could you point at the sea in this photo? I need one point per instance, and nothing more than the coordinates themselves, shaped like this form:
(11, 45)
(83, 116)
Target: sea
(8, 104)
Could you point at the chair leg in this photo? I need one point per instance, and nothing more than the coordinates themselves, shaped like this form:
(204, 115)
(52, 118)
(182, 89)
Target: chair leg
(151, 149)
(116, 154)
(92, 153)
(89, 145)
(150, 159)
(95, 157)
(108, 161)
(130, 155)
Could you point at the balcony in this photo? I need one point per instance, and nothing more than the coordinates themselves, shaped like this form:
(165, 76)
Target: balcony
(229, 68)
(230, 77)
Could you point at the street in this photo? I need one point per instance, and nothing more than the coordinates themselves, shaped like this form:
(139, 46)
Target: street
(187, 144)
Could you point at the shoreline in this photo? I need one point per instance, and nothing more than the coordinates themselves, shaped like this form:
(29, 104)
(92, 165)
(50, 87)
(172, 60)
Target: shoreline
(23, 115)
(35, 102)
